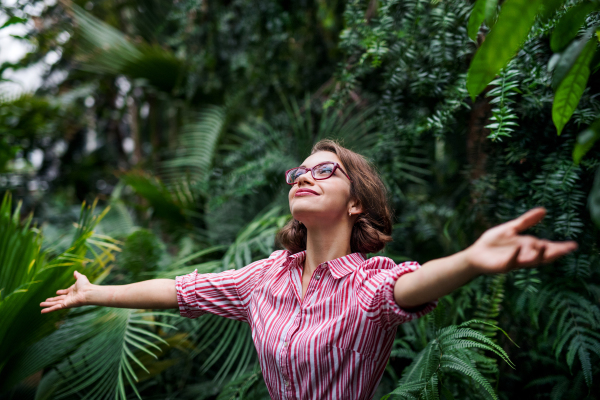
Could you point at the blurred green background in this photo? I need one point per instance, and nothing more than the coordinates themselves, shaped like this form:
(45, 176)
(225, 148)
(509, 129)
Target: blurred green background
(147, 139)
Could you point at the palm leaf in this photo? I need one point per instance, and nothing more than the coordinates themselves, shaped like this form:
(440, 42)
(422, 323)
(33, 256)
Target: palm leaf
(106, 50)
(196, 147)
(29, 276)
(107, 343)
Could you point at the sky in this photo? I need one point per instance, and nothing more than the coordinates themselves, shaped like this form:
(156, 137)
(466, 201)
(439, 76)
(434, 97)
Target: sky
(12, 49)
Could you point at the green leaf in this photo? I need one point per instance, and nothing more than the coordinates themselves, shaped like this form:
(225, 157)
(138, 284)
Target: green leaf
(586, 366)
(548, 9)
(482, 10)
(102, 343)
(107, 50)
(585, 141)
(196, 147)
(449, 361)
(514, 23)
(569, 25)
(14, 20)
(572, 86)
(594, 199)
(568, 58)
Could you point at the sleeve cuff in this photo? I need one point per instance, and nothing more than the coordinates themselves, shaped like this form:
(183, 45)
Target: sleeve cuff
(186, 296)
(397, 314)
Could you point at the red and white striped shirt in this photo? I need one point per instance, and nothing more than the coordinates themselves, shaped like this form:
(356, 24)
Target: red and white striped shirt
(332, 344)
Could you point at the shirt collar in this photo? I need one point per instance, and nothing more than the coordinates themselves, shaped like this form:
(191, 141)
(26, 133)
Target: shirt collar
(339, 267)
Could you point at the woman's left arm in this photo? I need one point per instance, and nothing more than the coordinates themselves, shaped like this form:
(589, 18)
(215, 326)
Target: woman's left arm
(499, 250)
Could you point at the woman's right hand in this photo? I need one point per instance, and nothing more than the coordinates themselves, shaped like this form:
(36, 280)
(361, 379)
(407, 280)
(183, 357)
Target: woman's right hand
(72, 297)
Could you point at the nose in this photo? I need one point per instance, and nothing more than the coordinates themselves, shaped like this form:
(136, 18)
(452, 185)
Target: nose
(307, 176)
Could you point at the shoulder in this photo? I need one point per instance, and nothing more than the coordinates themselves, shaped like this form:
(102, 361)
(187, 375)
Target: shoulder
(279, 256)
(378, 262)
(384, 266)
(276, 260)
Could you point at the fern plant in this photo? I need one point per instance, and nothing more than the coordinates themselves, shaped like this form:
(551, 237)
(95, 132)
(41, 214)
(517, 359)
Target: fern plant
(576, 321)
(451, 350)
(503, 119)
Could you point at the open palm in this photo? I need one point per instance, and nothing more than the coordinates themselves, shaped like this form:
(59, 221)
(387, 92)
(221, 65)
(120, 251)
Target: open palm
(74, 296)
(500, 249)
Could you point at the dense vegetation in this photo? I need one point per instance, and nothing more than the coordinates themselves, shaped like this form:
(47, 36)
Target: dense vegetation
(175, 120)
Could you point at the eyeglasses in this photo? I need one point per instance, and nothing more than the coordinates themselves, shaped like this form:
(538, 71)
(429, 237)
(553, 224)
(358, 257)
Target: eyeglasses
(319, 172)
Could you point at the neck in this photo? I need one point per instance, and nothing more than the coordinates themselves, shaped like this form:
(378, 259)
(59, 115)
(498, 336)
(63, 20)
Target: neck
(326, 243)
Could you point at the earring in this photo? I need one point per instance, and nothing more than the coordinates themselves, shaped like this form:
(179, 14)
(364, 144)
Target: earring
(349, 214)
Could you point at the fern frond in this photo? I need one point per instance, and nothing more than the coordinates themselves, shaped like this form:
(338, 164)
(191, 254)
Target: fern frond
(489, 306)
(450, 362)
(503, 118)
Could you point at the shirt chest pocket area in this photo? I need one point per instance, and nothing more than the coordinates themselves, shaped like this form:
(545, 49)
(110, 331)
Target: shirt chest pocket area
(351, 334)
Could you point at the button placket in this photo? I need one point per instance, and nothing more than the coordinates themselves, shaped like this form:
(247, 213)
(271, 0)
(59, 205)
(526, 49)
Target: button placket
(311, 286)
(285, 367)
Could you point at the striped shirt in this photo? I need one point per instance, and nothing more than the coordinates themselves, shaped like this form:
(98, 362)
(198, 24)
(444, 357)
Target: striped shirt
(332, 344)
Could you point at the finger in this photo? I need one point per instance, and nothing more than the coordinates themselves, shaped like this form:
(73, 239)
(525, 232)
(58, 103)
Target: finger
(54, 308)
(57, 298)
(49, 303)
(558, 249)
(67, 290)
(528, 219)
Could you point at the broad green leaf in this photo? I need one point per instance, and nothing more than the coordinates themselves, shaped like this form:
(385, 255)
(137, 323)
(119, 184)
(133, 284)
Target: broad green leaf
(548, 9)
(572, 86)
(585, 141)
(568, 58)
(569, 25)
(29, 275)
(482, 10)
(514, 23)
(594, 199)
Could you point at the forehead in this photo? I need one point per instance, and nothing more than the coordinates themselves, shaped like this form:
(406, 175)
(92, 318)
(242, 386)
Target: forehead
(319, 157)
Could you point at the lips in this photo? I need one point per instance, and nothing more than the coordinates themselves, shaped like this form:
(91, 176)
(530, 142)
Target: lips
(306, 192)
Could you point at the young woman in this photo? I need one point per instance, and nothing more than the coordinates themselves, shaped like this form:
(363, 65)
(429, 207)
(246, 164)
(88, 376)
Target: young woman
(323, 316)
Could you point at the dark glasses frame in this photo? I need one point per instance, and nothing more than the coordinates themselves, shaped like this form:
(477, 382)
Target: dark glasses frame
(335, 166)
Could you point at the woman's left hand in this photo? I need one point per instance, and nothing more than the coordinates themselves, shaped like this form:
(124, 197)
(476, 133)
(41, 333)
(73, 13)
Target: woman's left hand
(501, 249)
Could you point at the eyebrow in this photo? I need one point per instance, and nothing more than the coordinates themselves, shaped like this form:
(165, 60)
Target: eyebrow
(315, 164)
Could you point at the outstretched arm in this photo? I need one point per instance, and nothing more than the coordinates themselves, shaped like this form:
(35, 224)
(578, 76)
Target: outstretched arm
(499, 250)
(153, 294)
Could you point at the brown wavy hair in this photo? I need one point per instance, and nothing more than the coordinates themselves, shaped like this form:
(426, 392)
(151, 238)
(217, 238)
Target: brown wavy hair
(373, 227)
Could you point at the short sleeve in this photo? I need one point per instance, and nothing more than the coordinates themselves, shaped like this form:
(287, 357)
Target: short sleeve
(376, 293)
(226, 293)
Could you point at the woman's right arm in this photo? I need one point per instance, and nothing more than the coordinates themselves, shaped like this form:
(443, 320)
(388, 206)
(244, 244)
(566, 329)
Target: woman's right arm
(150, 294)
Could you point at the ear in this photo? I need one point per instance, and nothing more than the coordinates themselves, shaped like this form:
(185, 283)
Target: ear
(356, 207)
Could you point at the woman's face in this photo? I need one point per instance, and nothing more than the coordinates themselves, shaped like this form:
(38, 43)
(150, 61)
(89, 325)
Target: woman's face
(332, 199)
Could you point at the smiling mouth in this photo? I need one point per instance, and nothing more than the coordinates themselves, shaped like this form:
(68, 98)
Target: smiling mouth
(305, 193)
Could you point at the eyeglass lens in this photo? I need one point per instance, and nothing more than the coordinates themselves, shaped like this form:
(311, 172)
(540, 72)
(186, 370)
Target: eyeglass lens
(320, 172)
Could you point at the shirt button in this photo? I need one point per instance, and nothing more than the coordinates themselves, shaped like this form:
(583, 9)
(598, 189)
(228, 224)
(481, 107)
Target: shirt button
(287, 383)
(317, 276)
(285, 344)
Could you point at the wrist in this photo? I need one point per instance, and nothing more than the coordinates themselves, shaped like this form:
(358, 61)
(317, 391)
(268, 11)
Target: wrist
(467, 261)
(91, 294)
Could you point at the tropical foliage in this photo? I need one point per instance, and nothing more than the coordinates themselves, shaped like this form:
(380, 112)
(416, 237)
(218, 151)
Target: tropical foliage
(176, 120)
